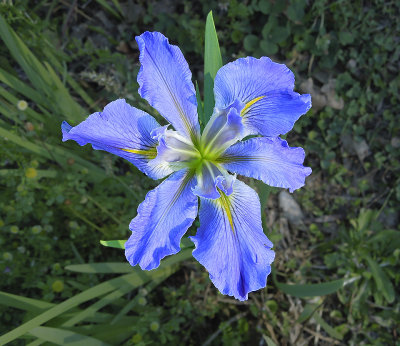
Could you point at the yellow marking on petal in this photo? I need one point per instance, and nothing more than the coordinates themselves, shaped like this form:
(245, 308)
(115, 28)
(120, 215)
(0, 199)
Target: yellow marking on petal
(225, 204)
(249, 104)
(150, 154)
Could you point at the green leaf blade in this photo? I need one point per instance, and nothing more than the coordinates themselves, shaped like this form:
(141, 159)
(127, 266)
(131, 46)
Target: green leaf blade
(118, 244)
(311, 290)
(23, 303)
(331, 331)
(135, 279)
(212, 63)
(62, 337)
(101, 268)
(200, 110)
(382, 282)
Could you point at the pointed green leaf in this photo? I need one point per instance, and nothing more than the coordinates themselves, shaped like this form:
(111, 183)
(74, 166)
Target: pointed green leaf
(308, 311)
(138, 277)
(269, 341)
(44, 80)
(118, 293)
(118, 244)
(23, 303)
(200, 110)
(382, 282)
(331, 331)
(212, 63)
(311, 290)
(53, 152)
(109, 8)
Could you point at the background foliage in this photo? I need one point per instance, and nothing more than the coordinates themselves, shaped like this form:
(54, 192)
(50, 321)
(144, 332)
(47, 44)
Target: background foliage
(69, 58)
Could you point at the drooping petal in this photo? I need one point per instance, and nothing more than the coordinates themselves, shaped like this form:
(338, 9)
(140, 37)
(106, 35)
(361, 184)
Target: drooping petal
(230, 242)
(266, 89)
(162, 219)
(268, 159)
(165, 82)
(121, 130)
(210, 179)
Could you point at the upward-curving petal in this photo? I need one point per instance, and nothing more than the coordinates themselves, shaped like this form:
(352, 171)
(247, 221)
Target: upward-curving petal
(266, 90)
(223, 129)
(166, 82)
(121, 130)
(211, 180)
(268, 159)
(162, 219)
(230, 242)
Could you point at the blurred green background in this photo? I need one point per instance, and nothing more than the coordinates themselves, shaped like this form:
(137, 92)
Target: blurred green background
(340, 233)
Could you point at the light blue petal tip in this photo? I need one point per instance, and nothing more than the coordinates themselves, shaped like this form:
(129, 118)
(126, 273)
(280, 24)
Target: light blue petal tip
(65, 127)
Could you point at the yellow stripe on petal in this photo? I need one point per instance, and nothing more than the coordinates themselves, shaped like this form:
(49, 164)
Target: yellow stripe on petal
(150, 153)
(249, 104)
(225, 204)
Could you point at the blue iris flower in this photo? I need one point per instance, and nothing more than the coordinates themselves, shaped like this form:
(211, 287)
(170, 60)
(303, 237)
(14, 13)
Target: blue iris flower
(254, 99)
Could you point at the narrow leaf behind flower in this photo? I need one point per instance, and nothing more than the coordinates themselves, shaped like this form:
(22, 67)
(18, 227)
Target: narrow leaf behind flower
(200, 110)
(212, 63)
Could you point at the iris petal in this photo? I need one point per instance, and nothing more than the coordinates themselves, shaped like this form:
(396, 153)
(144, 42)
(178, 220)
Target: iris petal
(223, 129)
(268, 159)
(174, 147)
(165, 82)
(210, 179)
(121, 130)
(163, 218)
(230, 242)
(266, 90)
(275, 113)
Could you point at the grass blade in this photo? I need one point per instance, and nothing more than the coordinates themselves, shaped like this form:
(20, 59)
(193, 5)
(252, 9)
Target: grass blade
(52, 152)
(382, 282)
(44, 80)
(311, 290)
(93, 292)
(331, 331)
(108, 299)
(65, 337)
(23, 303)
(101, 268)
